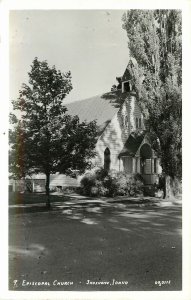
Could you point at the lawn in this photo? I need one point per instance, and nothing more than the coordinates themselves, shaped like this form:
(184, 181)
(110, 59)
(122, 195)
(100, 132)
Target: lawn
(31, 198)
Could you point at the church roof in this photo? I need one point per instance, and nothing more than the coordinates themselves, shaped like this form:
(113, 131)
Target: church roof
(132, 144)
(101, 108)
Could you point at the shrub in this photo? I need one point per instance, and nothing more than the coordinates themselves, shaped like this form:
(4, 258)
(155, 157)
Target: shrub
(130, 185)
(94, 191)
(101, 173)
(87, 182)
(112, 183)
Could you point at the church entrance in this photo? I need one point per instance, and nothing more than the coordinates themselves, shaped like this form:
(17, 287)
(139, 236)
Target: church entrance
(146, 159)
(148, 164)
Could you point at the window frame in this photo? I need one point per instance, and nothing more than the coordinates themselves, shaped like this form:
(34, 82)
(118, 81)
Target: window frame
(123, 86)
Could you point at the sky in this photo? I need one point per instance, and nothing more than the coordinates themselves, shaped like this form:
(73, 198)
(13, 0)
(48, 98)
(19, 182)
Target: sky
(89, 43)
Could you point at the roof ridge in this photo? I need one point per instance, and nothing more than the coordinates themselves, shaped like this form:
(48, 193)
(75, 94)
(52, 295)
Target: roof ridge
(88, 98)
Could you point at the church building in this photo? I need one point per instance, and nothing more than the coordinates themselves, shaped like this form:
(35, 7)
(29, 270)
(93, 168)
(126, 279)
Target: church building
(123, 143)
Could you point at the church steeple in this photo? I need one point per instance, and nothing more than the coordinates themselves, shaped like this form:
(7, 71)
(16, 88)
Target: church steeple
(125, 81)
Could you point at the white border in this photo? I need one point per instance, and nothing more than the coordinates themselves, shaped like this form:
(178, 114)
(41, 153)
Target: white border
(4, 63)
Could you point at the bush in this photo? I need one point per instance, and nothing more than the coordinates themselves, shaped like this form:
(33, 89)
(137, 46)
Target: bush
(101, 173)
(112, 183)
(87, 182)
(129, 184)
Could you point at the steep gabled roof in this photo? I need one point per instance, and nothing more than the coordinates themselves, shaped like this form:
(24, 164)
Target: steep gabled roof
(127, 75)
(132, 144)
(101, 108)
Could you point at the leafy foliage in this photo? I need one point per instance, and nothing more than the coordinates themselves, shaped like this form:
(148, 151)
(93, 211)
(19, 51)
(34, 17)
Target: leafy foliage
(45, 138)
(113, 183)
(154, 40)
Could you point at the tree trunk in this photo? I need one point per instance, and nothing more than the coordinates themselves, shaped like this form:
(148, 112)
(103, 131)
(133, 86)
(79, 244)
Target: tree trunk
(167, 187)
(172, 187)
(48, 191)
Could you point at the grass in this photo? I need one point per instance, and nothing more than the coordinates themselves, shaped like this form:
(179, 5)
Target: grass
(31, 198)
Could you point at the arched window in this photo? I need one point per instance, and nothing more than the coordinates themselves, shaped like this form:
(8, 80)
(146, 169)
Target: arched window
(107, 159)
(155, 165)
(137, 123)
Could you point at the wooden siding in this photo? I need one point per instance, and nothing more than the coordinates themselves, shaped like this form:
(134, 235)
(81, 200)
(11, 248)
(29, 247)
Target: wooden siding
(128, 164)
(58, 180)
(117, 132)
(38, 184)
(150, 178)
(112, 139)
(147, 167)
(63, 181)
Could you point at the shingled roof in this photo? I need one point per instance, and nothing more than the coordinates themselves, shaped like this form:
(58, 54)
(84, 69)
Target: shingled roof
(101, 108)
(132, 144)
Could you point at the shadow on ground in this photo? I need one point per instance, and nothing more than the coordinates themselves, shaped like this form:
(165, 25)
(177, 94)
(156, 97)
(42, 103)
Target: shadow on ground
(82, 238)
(139, 211)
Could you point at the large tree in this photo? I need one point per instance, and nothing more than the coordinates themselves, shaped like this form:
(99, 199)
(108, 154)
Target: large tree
(45, 138)
(154, 40)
